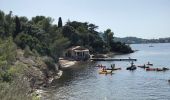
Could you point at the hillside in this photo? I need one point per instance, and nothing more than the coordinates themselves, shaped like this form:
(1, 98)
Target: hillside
(135, 40)
(30, 50)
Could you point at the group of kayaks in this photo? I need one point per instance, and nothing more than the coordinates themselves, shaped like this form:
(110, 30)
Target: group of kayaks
(147, 67)
(104, 70)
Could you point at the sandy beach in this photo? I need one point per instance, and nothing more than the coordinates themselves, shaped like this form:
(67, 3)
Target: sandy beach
(66, 62)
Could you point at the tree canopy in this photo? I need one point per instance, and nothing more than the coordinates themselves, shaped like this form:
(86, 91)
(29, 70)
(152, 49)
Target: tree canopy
(50, 39)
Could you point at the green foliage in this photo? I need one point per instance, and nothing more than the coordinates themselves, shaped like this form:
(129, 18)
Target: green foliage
(2, 23)
(27, 52)
(49, 40)
(50, 63)
(7, 57)
(70, 33)
(108, 37)
(6, 24)
(7, 51)
(13, 85)
(35, 97)
(39, 36)
(121, 47)
(16, 90)
(36, 19)
(57, 47)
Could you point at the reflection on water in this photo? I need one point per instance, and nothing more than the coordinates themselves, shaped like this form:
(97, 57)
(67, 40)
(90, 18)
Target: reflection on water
(82, 82)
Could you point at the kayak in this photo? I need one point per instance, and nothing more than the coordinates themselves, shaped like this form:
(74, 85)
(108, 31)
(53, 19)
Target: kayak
(150, 64)
(131, 68)
(157, 69)
(164, 68)
(160, 69)
(105, 72)
(143, 66)
(151, 69)
(114, 69)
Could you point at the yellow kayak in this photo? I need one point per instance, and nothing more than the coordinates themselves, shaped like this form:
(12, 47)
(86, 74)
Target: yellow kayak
(105, 72)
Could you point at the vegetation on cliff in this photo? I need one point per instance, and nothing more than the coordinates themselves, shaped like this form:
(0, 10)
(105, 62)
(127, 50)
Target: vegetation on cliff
(29, 50)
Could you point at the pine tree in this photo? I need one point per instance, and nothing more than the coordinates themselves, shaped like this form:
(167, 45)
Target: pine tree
(60, 24)
(17, 27)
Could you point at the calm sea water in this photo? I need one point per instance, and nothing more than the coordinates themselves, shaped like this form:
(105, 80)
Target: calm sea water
(82, 82)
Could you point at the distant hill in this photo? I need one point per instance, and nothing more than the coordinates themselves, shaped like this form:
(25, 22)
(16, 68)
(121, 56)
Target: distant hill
(135, 40)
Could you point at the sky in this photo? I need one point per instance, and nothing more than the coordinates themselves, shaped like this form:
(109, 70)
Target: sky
(140, 18)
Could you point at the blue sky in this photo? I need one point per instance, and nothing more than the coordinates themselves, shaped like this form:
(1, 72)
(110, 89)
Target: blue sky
(140, 18)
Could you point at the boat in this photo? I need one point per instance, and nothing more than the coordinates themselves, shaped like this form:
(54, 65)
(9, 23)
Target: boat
(164, 68)
(160, 69)
(149, 64)
(105, 72)
(132, 67)
(114, 68)
(157, 69)
(143, 66)
(151, 69)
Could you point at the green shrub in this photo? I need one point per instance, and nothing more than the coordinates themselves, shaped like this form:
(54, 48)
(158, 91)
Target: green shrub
(50, 63)
(27, 52)
(16, 90)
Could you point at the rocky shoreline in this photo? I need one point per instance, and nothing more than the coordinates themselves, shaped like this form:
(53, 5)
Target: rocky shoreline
(63, 63)
(39, 72)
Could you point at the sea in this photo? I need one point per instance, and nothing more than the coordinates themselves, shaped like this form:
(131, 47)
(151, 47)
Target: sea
(83, 81)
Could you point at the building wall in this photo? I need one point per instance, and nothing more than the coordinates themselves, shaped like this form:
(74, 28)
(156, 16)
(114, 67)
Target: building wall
(73, 54)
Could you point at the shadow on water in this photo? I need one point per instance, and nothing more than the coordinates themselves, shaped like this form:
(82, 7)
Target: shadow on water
(79, 72)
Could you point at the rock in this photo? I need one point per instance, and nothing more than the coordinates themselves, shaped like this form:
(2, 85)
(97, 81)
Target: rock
(37, 72)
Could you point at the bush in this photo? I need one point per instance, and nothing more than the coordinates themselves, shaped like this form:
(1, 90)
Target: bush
(27, 52)
(17, 90)
(121, 47)
(50, 63)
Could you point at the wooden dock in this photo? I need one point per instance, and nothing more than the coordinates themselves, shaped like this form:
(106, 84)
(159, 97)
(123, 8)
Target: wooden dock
(112, 59)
